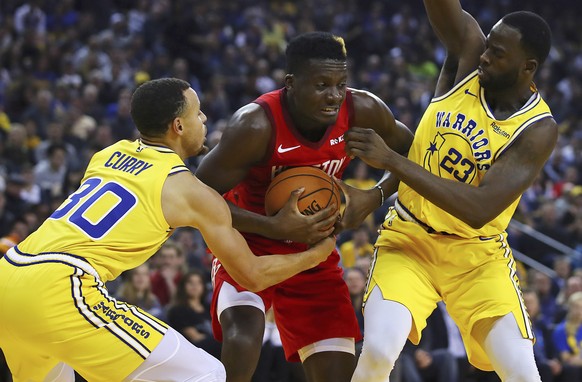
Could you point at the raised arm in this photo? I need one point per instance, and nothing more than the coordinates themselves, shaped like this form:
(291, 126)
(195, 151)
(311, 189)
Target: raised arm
(186, 201)
(244, 144)
(462, 37)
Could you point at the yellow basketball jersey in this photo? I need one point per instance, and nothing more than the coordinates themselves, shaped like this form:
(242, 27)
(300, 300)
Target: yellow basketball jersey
(459, 138)
(114, 220)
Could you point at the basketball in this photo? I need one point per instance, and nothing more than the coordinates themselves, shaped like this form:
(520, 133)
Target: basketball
(320, 190)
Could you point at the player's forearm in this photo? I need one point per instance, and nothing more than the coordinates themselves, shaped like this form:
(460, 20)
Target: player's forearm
(251, 222)
(461, 200)
(273, 269)
(389, 184)
(448, 22)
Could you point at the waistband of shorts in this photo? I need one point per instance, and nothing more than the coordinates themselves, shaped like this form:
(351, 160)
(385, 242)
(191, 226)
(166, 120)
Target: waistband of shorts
(15, 257)
(404, 214)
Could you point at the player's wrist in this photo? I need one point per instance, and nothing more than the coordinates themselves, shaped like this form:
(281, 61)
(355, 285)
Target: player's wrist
(382, 196)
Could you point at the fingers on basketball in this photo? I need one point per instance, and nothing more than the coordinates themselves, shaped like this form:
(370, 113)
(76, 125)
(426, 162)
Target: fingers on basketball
(320, 190)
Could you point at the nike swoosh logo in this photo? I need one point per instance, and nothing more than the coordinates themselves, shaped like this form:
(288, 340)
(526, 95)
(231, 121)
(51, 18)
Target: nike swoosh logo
(282, 150)
(469, 93)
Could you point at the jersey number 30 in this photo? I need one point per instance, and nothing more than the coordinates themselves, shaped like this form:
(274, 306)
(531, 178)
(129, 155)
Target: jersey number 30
(99, 226)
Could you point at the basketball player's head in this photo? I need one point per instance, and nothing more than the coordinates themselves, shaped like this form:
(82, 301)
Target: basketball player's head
(316, 78)
(170, 107)
(516, 47)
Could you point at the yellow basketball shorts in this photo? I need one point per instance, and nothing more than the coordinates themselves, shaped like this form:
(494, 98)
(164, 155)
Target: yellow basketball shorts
(54, 308)
(476, 278)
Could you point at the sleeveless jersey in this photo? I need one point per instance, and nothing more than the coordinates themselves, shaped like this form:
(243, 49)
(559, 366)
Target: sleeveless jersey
(459, 138)
(114, 220)
(288, 148)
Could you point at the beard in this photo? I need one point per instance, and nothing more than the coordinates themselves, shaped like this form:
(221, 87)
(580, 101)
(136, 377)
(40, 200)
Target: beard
(499, 82)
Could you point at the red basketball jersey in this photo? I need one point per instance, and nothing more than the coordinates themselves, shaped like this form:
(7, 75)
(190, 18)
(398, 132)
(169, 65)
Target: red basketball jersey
(289, 149)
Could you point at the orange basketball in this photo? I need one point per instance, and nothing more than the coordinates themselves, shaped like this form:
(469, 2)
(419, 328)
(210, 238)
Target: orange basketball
(320, 190)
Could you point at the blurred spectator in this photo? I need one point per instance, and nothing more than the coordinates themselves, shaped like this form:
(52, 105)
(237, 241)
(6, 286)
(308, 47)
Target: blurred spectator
(18, 232)
(356, 282)
(55, 134)
(423, 362)
(7, 217)
(563, 268)
(542, 284)
(273, 366)
(573, 284)
(168, 271)
(122, 126)
(545, 352)
(192, 244)
(30, 17)
(30, 192)
(50, 173)
(41, 112)
(16, 151)
(136, 290)
(568, 338)
(363, 263)
(359, 245)
(189, 313)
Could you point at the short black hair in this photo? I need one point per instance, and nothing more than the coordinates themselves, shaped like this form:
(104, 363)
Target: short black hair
(156, 103)
(536, 36)
(314, 45)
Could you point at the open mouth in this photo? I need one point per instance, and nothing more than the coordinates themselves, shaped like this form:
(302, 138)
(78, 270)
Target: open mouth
(330, 110)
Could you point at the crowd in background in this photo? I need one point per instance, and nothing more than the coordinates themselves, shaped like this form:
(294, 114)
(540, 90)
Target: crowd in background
(68, 69)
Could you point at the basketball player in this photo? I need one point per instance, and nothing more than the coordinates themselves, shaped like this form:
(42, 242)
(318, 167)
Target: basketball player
(481, 142)
(302, 124)
(54, 309)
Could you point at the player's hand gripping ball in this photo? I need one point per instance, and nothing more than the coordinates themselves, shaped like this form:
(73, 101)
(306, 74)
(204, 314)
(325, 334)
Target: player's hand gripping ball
(320, 190)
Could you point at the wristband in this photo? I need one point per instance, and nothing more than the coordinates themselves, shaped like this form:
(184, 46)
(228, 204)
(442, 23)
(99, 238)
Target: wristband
(382, 200)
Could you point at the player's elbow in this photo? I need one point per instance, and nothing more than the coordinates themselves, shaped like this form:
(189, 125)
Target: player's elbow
(478, 220)
(251, 282)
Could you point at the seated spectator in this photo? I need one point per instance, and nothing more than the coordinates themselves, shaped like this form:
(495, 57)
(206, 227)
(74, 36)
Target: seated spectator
(542, 284)
(50, 173)
(359, 246)
(55, 135)
(189, 313)
(30, 192)
(545, 352)
(18, 232)
(356, 282)
(273, 366)
(168, 268)
(193, 247)
(16, 152)
(573, 284)
(136, 290)
(568, 339)
(422, 363)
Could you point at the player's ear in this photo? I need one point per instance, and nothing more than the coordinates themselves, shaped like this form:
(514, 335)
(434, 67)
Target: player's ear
(177, 126)
(531, 66)
(289, 81)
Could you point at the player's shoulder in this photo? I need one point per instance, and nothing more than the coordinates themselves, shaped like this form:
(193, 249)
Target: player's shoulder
(250, 117)
(365, 100)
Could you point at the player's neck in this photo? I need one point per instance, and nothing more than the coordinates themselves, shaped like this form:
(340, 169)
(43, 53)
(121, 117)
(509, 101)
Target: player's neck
(505, 103)
(157, 141)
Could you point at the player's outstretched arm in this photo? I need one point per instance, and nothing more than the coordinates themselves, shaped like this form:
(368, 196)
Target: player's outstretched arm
(245, 143)
(186, 201)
